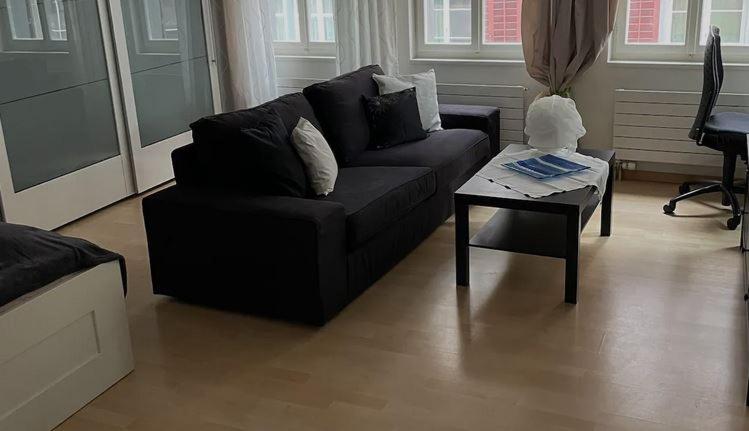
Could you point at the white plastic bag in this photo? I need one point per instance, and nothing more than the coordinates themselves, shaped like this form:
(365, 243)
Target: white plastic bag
(553, 123)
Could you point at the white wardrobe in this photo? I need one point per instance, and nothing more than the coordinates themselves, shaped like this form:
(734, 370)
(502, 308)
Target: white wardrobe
(94, 96)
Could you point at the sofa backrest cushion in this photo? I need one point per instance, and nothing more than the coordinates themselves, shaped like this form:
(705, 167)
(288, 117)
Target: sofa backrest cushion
(218, 127)
(339, 107)
(187, 167)
(225, 130)
(267, 163)
(257, 160)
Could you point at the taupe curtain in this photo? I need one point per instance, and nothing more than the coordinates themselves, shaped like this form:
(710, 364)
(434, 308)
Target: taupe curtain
(563, 38)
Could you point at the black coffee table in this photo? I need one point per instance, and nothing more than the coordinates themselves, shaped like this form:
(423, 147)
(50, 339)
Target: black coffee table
(548, 226)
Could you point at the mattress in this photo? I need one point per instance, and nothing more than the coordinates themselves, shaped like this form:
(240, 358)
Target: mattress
(31, 258)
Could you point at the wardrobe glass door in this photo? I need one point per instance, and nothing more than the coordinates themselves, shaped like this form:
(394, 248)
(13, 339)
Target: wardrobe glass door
(60, 155)
(166, 78)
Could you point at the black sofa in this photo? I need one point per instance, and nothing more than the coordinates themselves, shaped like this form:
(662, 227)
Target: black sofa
(304, 259)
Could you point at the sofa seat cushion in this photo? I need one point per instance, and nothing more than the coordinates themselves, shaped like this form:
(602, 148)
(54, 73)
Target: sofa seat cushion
(374, 198)
(449, 153)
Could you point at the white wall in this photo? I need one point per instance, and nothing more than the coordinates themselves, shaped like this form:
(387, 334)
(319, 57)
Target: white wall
(594, 91)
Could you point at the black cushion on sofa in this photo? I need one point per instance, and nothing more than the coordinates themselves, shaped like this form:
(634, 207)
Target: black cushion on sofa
(222, 129)
(393, 119)
(337, 104)
(374, 198)
(448, 152)
(277, 168)
(258, 160)
(289, 107)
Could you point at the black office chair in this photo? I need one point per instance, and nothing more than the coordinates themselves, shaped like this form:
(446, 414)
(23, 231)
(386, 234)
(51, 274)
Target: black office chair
(723, 131)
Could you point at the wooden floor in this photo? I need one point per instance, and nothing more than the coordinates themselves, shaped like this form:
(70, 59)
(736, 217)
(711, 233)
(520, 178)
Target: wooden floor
(658, 340)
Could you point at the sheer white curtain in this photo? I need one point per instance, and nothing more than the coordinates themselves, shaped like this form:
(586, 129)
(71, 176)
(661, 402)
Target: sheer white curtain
(365, 30)
(250, 66)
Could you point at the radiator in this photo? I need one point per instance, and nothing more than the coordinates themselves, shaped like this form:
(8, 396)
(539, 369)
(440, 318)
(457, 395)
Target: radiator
(294, 85)
(653, 126)
(510, 100)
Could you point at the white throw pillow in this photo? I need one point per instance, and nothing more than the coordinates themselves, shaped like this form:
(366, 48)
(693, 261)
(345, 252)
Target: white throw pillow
(319, 161)
(426, 94)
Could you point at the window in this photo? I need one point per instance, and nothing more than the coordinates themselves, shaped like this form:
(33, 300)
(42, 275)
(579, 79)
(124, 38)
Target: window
(312, 35)
(55, 11)
(158, 26)
(676, 30)
(286, 21)
(25, 23)
(321, 26)
(657, 22)
(502, 21)
(448, 22)
(28, 24)
(731, 16)
(161, 20)
(33, 25)
(468, 29)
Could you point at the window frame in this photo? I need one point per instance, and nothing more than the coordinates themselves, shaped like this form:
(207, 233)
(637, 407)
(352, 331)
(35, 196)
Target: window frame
(285, 19)
(476, 50)
(321, 17)
(744, 30)
(148, 5)
(43, 44)
(692, 51)
(146, 44)
(64, 20)
(305, 47)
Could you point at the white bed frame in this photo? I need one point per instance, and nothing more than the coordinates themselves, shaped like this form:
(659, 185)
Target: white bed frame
(60, 347)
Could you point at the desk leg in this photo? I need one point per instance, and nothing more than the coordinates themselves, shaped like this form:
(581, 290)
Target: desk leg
(572, 258)
(608, 198)
(461, 244)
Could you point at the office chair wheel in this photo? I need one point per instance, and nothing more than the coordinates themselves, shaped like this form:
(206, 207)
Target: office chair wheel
(733, 223)
(669, 208)
(683, 189)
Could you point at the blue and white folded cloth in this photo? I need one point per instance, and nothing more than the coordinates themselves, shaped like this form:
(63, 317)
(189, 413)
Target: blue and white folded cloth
(546, 166)
(552, 173)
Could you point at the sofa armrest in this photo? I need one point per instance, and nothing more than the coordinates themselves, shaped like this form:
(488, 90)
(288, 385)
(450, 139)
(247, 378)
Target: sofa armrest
(484, 118)
(279, 256)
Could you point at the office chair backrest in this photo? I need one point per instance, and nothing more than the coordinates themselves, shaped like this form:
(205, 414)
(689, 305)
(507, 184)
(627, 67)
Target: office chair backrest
(712, 82)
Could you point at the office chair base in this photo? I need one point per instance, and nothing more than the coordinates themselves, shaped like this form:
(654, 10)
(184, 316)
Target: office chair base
(738, 187)
(717, 187)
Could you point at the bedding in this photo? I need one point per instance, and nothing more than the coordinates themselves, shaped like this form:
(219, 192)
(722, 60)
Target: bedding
(31, 258)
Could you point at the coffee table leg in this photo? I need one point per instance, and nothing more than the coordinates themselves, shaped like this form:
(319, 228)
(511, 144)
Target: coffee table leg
(572, 258)
(461, 244)
(608, 198)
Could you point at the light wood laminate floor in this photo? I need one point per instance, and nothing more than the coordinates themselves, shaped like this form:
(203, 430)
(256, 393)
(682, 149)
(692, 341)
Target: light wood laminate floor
(658, 340)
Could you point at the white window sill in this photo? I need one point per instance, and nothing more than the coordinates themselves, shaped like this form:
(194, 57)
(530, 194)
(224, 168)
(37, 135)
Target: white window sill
(470, 61)
(669, 64)
(325, 58)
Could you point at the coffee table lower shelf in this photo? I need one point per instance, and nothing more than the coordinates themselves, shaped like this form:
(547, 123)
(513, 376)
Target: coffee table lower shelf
(528, 232)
